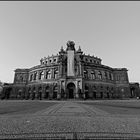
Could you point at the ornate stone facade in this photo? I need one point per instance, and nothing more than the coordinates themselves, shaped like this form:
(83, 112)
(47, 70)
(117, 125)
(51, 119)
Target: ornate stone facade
(135, 90)
(70, 75)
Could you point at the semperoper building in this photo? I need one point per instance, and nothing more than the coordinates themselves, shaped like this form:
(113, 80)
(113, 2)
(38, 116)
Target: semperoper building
(70, 75)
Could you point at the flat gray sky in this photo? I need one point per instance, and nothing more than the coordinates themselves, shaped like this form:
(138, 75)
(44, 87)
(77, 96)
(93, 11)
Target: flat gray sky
(32, 30)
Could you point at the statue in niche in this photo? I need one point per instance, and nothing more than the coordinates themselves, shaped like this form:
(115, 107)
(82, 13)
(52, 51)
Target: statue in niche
(19, 78)
(81, 57)
(61, 58)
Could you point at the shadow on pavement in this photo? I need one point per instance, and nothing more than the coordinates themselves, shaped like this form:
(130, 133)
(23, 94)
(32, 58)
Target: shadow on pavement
(72, 135)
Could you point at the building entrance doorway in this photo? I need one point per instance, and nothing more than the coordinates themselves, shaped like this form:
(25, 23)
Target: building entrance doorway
(70, 90)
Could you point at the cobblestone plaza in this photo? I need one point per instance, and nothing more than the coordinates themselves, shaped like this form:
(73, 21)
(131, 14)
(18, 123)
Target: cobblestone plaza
(70, 119)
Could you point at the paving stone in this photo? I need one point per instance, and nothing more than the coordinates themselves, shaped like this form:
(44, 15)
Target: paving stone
(68, 120)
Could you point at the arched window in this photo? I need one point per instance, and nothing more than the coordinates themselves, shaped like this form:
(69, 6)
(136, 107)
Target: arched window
(92, 74)
(106, 75)
(47, 90)
(110, 76)
(19, 93)
(112, 92)
(34, 90)
(55, 90)
(117, 77)
(55, 74)
(39, 89)
(35, 75)
(29, 92)
(85, 74)
(33, 94)
(86, 91)
(99, 75)
(48, 74)
(107, 92)
(94, 88)
(31, 77)
(107, 88)
(101, 87)
(86, 88)
(40, 93)
(41, 75)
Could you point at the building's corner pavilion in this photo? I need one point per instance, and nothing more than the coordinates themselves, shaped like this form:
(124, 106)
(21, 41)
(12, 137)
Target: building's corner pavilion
(70, 75)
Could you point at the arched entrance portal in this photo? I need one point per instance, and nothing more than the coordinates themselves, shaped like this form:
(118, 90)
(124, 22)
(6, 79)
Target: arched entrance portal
(70, 90)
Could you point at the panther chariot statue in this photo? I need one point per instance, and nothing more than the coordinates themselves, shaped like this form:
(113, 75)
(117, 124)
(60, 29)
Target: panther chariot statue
(70, 45)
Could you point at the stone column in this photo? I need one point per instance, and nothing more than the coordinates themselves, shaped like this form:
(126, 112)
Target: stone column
(52, 73)
(81, 69)
(43, 91)
(58, 95)
(37, 76)
(44, 74)
(51, 92)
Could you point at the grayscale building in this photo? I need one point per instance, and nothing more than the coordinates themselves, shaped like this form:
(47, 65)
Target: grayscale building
(70, 75)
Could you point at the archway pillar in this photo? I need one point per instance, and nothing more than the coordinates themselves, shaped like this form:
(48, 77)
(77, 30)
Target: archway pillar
(77, 95)
(43, 91)
(58, 96)
(59, 91)
(62, 88)
(51, 92)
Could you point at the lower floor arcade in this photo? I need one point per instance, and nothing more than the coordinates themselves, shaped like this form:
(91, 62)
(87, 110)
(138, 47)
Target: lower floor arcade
(69, 91)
